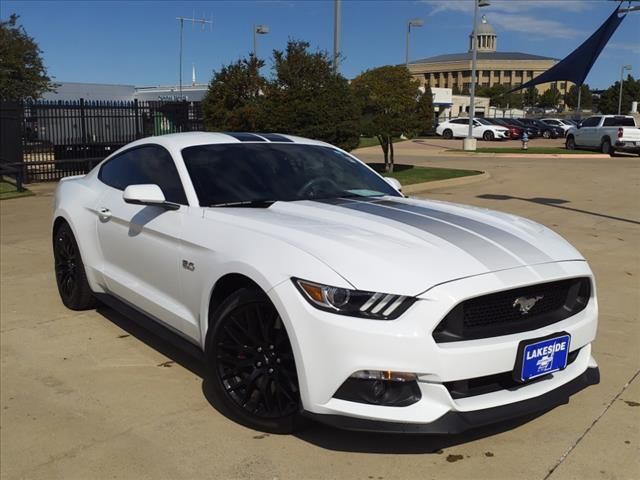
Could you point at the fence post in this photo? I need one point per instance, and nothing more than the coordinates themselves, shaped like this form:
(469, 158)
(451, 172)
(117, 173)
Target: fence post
(83, 127)
(137, 114)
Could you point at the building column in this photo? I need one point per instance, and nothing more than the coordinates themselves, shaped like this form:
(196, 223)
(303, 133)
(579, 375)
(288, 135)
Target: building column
(491, 78)
(449, 79)
(513, 77)
(460, 82)
(441, 79)
(501, 77)
(432, 79)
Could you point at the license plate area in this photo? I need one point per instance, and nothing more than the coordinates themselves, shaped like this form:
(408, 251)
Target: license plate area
(541, 356)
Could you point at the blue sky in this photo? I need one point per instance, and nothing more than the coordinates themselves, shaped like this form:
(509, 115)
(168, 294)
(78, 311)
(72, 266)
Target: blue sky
(136, 42)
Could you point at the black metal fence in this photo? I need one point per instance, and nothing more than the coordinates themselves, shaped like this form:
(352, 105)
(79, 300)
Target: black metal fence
(48, 140)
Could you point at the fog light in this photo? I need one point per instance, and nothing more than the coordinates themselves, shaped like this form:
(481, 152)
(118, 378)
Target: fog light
(385, 375)
(386, 388)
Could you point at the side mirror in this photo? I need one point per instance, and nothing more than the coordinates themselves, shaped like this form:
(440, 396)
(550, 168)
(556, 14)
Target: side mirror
(394, 183)
(149, 195)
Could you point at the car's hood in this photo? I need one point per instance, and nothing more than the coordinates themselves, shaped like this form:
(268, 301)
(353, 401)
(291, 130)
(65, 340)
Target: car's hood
(400, 245)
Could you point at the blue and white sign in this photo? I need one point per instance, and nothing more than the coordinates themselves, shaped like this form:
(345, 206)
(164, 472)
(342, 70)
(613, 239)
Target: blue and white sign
(545, 356)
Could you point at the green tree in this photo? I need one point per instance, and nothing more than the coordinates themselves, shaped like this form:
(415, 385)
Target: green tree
(586, 97)
(22, 71)
(500, 97)
(549, 99)
(424, 113)
(307, 98)
(388, 98)
(608, 103)
(233, 100)
(530, 97)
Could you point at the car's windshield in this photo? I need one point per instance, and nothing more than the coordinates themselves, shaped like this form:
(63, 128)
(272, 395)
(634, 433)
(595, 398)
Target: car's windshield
(224, 174)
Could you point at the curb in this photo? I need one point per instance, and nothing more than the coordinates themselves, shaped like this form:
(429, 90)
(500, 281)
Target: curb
(528, 155)
(450, 182)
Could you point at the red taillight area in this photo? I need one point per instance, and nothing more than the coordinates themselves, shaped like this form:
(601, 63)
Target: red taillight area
(620, 132)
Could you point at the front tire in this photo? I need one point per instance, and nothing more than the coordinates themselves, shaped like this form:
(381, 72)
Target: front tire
(570, 144)
(252, 371)
(488, 136)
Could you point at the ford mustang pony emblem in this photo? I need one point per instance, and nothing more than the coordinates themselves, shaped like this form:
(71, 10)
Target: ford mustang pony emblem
(526, 303)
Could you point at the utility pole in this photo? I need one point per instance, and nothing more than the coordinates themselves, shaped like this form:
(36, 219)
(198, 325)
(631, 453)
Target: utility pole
(193, 20)
(336, 34)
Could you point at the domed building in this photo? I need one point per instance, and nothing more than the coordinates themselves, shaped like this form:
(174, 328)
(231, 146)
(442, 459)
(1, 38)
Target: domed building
(506, 68)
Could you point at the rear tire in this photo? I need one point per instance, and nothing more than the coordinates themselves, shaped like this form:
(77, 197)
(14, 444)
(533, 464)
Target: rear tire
(71, 277)
(606, 147)
(488, 136)
(546, 134)
(448, 134)
(252, 371)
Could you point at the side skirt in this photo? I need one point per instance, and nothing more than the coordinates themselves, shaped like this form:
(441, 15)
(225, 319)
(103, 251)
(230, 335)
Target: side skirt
(153, 325)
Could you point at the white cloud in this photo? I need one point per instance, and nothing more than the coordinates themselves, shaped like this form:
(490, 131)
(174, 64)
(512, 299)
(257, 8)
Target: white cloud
(529, 24)
(509, 6)
(519, 15)
(629, 47)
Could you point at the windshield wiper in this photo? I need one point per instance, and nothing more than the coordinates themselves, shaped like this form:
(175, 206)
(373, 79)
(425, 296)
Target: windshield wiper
(246, 204)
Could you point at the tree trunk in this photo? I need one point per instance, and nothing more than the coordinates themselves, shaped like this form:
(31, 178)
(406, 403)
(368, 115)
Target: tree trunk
(385, 149)
(391, 155)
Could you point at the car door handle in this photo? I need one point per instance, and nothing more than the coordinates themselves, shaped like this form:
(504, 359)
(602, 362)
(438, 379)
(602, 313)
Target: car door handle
(105, 213)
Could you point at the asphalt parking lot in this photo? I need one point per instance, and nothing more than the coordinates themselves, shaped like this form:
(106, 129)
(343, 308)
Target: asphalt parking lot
(91, 396)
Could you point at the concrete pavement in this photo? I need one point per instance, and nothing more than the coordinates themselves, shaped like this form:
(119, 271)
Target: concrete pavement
(91, 396)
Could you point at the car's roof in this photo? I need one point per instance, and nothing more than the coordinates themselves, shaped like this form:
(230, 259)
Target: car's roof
(188, 139)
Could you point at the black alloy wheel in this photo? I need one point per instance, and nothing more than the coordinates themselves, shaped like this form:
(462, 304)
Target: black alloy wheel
(570, 143)
(252, 365)
(488, 136)
(71, 279)
(448, 134)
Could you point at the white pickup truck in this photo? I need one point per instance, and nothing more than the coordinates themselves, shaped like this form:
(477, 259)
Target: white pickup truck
(607, 133)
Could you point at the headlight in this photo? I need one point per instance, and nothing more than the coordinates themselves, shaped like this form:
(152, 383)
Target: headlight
(343, 301)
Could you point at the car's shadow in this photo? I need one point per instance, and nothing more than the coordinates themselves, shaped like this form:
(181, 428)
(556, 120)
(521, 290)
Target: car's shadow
(311, 432)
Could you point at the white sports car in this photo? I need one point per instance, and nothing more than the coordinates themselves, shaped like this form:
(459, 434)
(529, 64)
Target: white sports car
(313, 288)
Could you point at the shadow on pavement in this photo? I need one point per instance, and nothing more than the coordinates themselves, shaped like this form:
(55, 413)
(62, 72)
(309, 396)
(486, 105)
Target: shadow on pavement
(556, 203)
(168, 344)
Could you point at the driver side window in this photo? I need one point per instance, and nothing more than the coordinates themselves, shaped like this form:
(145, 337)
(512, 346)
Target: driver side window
(150, 164)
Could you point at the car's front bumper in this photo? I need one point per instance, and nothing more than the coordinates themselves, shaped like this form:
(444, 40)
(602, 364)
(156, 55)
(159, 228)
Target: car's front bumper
(329, 348)
(456, 422)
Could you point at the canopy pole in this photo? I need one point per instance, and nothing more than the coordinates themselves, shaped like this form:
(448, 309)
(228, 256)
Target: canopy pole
(579, 99)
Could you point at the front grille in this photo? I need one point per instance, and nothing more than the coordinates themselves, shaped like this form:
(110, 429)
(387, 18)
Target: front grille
(514, 311)
(494, 383)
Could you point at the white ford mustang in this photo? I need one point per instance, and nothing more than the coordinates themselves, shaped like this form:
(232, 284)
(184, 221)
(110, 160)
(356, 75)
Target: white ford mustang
(313, 288)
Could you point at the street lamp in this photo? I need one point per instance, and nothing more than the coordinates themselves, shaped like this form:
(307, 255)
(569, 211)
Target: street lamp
(414, 22)
(627, 68)
(469, 143)
(258, 30)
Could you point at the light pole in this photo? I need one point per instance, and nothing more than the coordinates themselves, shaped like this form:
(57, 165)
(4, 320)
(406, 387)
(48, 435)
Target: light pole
(258, 30)
(337, 7)
(469, 143)
(414, 22)
(627, 68)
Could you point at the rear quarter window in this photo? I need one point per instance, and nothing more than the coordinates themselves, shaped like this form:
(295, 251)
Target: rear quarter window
(619, 122)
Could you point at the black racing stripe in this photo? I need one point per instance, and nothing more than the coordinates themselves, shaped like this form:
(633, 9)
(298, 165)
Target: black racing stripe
(481, 249)
(524, 250)
(245, 137)
(274, 137)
